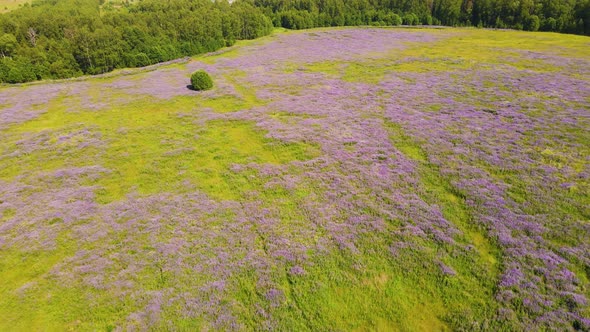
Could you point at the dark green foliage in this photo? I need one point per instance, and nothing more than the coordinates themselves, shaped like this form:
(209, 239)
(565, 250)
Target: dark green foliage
(18, 70)
(532, 23)
(396, 19)
(200, 80)
(7, 44)
(572, 16)
(67, 38)
(411, 19)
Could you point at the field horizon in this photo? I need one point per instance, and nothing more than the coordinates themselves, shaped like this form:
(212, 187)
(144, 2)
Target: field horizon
(350, 178)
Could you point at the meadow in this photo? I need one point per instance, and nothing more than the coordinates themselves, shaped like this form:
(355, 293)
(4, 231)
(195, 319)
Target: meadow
(339, 179)
(8, 5)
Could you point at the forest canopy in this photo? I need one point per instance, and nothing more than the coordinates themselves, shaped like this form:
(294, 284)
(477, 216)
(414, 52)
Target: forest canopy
(570, 16)
(67, 38)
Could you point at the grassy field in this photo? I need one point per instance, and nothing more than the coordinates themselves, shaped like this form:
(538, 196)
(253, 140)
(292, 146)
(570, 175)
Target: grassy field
(333, 179)
(8, 5)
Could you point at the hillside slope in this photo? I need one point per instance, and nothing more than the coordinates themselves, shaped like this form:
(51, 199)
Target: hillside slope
(333, 179)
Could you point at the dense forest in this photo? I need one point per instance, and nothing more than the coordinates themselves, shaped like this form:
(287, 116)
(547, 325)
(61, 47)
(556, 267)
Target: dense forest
(68, 38)
(570, 16)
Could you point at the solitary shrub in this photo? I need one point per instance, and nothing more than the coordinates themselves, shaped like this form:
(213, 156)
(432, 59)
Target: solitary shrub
(200, 80)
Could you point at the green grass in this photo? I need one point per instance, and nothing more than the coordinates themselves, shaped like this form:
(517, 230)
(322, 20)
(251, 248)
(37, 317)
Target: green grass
(478, 273)
(439, 190)
(149, 146)
(152, 146)
(8, 5)
(32, 300)
(457, 50)
(239, 48)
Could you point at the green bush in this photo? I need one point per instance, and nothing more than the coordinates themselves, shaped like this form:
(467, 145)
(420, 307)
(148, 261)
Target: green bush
(411, 19)
(200, 80)
(16, 70)
(396, 19)
(532, 23)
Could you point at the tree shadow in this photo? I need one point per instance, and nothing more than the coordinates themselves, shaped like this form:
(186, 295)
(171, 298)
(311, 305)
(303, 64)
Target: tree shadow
(190, 87)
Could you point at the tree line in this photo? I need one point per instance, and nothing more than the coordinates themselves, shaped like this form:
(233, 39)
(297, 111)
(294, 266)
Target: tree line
(68, 38)
(569, 16)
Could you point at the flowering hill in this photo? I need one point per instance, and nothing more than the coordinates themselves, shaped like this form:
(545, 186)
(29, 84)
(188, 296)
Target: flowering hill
(333, 179)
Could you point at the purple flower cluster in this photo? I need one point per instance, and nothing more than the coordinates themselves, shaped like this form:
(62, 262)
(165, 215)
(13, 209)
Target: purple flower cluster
(509, 146)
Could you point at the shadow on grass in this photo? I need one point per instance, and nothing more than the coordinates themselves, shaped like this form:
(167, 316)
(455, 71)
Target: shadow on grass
(190, 87)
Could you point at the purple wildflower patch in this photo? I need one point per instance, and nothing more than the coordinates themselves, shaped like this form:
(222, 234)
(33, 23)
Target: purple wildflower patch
(479, 174)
